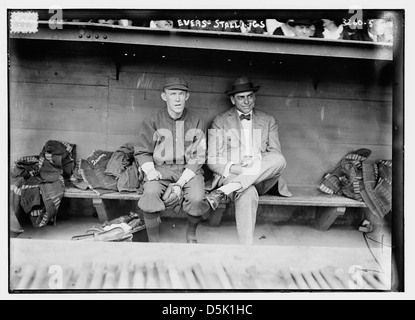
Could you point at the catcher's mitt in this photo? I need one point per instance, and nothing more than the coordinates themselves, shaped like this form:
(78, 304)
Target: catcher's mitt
(170, 198)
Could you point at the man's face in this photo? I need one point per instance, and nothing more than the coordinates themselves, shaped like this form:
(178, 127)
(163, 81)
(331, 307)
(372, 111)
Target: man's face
(302, 31)
(164, 24)
(175, 100)
(244, 101)
(377, 26)
(328, 24)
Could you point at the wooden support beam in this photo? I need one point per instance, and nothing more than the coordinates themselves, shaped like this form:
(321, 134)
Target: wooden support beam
(325, 216)
(222, 41)
(99, 206)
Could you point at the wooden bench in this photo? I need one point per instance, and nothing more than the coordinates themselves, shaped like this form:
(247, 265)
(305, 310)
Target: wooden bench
(328, 207)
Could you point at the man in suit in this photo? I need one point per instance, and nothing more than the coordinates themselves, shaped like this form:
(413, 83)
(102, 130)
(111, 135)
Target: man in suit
(375, 30)
(244, 152)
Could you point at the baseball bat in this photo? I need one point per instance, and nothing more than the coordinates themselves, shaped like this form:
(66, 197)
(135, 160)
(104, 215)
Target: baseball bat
(343, 277)
(151, 281)
(288, 279)
(27, 275)
(384, 279)
(15, 275)
(175, 278)
(109, 277)
(311, 282)
(223, 277)
(372, 281)
(41, 272)
(328, 275)
(124, 280)
(97, 276)
(197, 269)
(162, 274)
(68, 282)
(83, 276)
(138, 278)
(320, 280)
(299, 280)
(252, 279)
(190, 278)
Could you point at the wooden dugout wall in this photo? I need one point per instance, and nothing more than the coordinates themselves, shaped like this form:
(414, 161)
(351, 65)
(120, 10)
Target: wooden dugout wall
(96, 97)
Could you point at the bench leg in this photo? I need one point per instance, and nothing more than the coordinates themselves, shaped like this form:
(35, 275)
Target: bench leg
(216, 216)
(325, 216)
(99, 206)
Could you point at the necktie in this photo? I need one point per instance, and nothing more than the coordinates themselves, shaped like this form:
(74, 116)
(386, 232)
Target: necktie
(245, 116)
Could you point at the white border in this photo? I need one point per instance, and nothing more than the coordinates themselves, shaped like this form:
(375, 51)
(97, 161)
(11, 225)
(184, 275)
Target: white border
(219, 4)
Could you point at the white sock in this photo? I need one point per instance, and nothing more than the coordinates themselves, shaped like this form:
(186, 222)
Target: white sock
(230, 187)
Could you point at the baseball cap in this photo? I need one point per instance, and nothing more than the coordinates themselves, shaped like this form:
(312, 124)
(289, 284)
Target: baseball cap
(175, 83)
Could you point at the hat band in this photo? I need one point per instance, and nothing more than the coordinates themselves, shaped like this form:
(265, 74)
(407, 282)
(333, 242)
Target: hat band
(242, 88)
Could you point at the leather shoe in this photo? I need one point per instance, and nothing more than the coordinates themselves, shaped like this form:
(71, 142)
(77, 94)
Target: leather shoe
(215, 197)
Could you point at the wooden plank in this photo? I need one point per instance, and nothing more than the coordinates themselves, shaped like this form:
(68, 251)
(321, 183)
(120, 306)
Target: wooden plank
(318, 119)
(58, 107)
(263, 69)
(331, 120)
(56, 76)
(73, 192)
(58, 96)
(25, 142)
(325, 217)
(138, 79)
(99, 206)
(302, 196)
(128, 122)
(115, 141)
(130, 99)
(307, 163)
(301, 87)
(64, 61)
(90, 120)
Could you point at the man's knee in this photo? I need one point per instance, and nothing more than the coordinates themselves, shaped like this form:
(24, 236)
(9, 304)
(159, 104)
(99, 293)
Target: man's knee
(249, 194)
(194, 204)
(276, 161)
(152, 188)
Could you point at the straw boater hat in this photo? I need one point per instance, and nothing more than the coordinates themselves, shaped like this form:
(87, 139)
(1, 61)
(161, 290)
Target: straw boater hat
(241, 85)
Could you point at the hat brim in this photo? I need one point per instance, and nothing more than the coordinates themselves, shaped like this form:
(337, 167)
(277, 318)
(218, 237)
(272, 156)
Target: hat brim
(234, 91)
(177, 87)
(301, 23)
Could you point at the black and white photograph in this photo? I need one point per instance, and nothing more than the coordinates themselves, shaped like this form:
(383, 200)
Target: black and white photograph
(205, 150)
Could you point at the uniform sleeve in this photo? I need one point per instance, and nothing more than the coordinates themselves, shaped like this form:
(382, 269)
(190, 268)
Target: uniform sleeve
(196, 152)
(144, 148)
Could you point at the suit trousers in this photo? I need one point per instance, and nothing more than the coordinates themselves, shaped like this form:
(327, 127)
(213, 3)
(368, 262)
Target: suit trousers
(246, 198)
